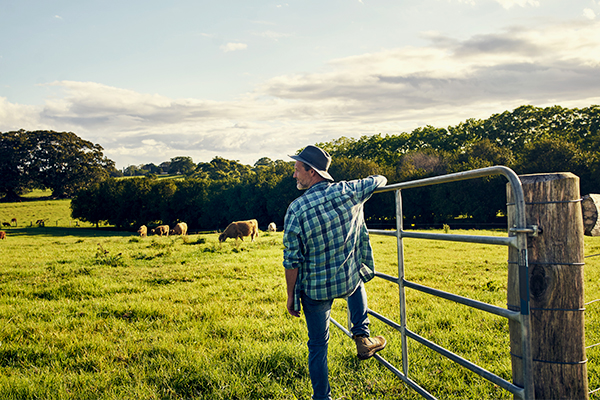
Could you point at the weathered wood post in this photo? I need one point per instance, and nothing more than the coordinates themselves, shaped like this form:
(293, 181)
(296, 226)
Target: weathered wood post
(555, 258)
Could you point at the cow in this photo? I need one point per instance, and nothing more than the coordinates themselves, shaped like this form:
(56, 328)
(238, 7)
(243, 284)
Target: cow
(239, 229)
(161, 230)
(143, 231)
(2, 235)
(13, 220)
(5, 224)
(179, 229)
(272, 227)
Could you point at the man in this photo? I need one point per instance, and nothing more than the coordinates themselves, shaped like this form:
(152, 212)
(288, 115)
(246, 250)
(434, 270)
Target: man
(328, 255)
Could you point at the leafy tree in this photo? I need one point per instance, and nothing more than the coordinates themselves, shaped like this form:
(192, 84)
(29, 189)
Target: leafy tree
(60, 161)
(221, 168)
(182, 165)
(15, 158)
(132, 170)
(263, 162)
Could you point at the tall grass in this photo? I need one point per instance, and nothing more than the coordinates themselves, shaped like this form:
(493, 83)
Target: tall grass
(94, 314)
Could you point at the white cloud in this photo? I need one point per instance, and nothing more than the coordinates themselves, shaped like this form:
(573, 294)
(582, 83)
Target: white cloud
(391, 91)
(589, 13)
(272, 35)
(522, 3)
(507, 4)
(233, 47)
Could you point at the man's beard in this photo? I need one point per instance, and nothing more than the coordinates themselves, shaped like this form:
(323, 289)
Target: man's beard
(300, 186)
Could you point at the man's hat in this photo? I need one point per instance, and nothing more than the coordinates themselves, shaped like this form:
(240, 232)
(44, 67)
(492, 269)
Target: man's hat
(317, 158)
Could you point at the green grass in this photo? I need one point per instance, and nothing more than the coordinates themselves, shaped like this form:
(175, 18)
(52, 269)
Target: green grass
(98, 314)
(55, 213)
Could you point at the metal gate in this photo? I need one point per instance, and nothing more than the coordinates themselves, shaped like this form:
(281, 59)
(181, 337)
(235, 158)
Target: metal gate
(517, 238)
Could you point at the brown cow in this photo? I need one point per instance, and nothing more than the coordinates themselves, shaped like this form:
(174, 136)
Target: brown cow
(179, 229)
(240, 229)
(161, 230)
(143, 231)
(2, 235)
(272, 227)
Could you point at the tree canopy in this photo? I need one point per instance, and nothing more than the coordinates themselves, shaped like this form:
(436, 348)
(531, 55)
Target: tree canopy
(60, 161)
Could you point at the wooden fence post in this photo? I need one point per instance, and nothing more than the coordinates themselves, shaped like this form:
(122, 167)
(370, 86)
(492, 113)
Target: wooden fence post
(555, 259)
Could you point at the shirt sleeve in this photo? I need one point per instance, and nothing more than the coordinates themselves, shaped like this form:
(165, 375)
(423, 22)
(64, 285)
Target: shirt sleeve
(292, 254)
(365, 187)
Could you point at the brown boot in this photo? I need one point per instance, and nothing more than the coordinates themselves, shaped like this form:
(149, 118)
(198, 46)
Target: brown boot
(367, 346)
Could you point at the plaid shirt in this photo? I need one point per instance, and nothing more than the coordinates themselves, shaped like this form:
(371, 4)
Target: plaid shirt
(326, 237)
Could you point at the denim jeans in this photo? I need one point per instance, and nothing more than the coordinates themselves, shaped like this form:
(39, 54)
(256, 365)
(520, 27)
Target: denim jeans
(317, 313)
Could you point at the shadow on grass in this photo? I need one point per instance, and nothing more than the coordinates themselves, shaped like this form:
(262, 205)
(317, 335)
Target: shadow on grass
(62, 232)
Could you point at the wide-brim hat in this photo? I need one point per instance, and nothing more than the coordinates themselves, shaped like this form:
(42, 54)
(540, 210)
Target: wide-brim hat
(317, 158)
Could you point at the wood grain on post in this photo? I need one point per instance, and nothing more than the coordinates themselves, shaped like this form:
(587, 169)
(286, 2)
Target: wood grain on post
(555, 259)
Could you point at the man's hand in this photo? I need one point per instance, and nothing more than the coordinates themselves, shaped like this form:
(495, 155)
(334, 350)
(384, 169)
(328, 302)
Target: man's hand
(290, 281)
(290, 307)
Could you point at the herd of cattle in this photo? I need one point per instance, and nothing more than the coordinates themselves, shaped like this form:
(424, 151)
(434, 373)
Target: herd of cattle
(235, 230)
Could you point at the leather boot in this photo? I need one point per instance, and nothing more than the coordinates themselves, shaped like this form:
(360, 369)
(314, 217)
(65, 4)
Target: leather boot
(367, 346)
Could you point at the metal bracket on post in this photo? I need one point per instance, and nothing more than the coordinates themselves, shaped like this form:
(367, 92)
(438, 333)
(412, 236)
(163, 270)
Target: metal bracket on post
(532, 231)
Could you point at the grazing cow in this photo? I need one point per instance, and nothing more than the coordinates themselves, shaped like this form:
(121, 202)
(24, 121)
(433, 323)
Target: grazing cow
(2, 235)
(272, 227)
(161, 230)
(240, 229)
(5, 224)
(40, 222)
(180, 229)
(13, 220)
(143, 231)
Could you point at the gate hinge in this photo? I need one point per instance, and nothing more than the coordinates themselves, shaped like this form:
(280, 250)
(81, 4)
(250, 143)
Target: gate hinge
(531, 231)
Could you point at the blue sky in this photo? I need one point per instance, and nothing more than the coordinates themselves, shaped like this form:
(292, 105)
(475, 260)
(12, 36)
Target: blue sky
(152, 80)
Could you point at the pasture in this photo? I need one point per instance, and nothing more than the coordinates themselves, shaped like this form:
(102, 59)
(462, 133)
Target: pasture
(91, 313)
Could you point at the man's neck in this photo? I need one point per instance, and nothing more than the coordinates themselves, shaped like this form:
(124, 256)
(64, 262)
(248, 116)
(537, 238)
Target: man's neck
(317, 178)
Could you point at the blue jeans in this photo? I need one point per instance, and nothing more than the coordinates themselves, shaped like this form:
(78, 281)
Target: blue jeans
(317, 313)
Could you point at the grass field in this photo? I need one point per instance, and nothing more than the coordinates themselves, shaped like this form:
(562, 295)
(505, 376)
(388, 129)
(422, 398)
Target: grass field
(91, 313)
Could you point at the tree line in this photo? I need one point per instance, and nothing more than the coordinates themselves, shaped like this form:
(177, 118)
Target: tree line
(212, 194)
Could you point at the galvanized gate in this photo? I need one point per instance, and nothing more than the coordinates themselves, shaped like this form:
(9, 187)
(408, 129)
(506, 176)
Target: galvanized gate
(517, 238)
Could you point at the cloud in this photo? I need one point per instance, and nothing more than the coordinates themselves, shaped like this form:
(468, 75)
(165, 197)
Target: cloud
(507, 4)
(589, 13)
(233, 47)
(272, 35)
(390, 91)
(522, 3)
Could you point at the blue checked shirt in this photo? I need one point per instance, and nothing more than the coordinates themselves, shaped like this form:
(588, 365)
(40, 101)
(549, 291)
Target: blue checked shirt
(326, 237)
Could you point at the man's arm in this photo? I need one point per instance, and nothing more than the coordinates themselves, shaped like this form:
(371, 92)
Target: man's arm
(290, 280)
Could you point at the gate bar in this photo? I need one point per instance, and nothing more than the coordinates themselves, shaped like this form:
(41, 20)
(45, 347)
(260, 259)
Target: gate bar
(414, 385)
(502, 312)
(495, 240)
(517, 390)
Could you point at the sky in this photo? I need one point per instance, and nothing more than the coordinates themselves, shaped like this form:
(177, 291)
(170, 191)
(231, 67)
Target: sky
(152, 80)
